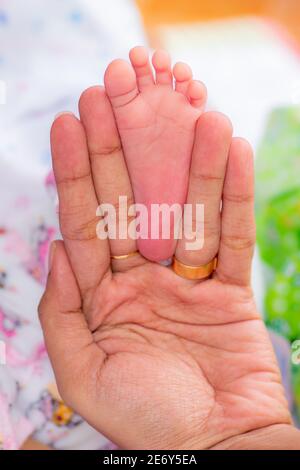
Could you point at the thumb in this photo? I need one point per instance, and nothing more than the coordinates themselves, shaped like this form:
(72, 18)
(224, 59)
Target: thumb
(68, 340)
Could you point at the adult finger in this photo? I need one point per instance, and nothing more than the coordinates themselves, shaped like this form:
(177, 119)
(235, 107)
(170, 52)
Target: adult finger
(207, 173)
(69, 342)
(110, 175)
(238, 223)
(78, 203)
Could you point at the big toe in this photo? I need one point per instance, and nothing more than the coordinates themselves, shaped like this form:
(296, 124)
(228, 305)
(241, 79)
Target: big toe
(156, 250)
(120, 83)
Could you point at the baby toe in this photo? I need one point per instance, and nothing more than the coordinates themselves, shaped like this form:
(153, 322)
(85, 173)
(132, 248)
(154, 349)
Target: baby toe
(140, 62)
(162, 64)
(183, 75)
(197, 94)
(120, 83)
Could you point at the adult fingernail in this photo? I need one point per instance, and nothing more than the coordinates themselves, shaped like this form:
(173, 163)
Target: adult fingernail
(63, 113)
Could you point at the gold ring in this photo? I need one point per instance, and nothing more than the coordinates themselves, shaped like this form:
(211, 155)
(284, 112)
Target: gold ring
(129, 255)
(194, 272)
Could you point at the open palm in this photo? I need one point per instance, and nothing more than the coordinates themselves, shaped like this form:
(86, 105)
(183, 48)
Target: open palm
(148, 358)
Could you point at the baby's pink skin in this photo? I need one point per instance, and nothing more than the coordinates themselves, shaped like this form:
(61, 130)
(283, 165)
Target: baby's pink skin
(156, 122)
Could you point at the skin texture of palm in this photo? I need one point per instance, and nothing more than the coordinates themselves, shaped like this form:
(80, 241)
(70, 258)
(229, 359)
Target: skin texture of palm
(169, 361)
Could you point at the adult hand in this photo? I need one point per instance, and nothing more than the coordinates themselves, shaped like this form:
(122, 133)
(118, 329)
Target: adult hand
(148, 358)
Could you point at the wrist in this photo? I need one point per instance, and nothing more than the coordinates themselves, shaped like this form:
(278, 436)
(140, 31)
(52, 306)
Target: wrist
(275, 437)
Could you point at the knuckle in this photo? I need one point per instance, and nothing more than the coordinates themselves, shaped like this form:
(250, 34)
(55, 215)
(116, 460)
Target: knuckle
(121, 210)
(105, 151)
(70, 180)
(225, 277)
(238, 242)
(210, 228)
(200, 177)
(74, 229)
(238, 198)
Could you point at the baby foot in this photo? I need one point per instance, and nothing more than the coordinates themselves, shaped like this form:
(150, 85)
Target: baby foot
(156, 122)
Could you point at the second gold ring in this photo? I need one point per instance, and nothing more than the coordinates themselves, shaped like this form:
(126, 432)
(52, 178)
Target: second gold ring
(194, 272)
